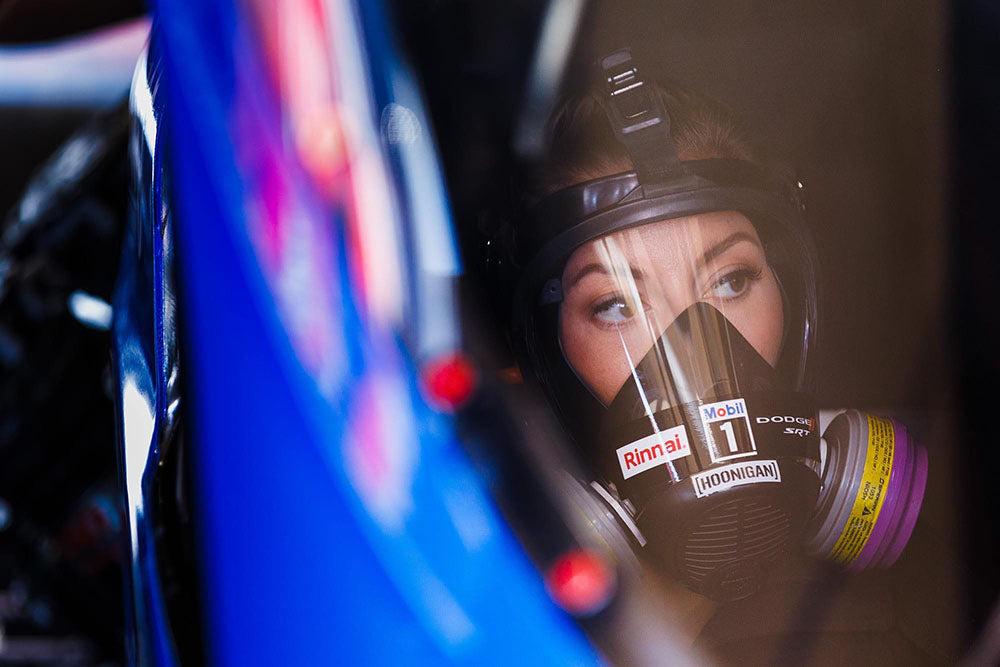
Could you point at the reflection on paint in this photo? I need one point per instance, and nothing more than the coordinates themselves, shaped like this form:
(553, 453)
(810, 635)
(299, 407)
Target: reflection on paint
(90, 310)
(137, 426)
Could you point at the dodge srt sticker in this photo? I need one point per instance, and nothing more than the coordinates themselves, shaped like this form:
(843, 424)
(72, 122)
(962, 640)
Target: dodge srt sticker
(801, 426)
(727, 427)
(735, 474)
(653, 450)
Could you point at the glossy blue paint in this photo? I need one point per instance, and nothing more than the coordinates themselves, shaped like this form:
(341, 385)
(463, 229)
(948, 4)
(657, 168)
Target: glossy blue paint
(339, 521)
(138, 362)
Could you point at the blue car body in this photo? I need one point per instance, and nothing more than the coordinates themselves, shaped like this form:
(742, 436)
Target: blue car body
(337, 518)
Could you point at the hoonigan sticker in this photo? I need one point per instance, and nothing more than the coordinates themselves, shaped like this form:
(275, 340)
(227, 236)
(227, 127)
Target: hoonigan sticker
(735, 474)
(653, 450)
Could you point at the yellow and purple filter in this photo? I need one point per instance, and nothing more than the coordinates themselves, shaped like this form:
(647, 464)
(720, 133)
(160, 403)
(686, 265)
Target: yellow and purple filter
(874, 479)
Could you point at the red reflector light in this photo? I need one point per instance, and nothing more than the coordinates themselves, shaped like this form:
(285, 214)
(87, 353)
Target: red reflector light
(450, 381)
(580, 582)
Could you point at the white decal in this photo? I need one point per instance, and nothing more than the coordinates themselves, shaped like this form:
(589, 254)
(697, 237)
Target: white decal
(727, 430)
(735, 474)
(653, 450)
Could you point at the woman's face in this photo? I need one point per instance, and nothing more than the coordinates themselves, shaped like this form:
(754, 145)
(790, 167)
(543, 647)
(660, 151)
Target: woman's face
(621, 291)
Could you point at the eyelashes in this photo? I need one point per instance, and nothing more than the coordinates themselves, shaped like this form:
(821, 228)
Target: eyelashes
(734, 284)
(613, 310)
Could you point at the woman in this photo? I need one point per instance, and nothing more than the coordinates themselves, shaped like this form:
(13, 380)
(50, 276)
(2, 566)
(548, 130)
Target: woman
(666, 303)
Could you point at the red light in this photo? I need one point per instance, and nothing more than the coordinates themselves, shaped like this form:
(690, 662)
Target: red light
(580, 582)
(450, 381)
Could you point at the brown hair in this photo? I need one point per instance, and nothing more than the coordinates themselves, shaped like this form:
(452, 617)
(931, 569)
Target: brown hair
(584, 146)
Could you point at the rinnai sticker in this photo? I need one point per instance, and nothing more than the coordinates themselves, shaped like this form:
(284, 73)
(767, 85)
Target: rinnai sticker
(653, 450)
(735, 474)
(727, 427)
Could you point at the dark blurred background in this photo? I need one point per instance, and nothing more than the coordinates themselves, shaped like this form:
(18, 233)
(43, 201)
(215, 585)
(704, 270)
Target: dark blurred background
(28, 135)
(61, 217)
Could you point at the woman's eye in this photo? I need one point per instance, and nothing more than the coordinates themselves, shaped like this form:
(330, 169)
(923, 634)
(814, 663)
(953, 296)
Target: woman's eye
(733, 284)
(613, 311)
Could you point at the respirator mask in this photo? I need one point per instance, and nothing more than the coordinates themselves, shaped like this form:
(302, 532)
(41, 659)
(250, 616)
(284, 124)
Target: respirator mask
(668, 313)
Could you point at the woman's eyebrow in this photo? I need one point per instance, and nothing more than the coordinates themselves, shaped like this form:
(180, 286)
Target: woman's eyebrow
(724, 245)
(595, 267)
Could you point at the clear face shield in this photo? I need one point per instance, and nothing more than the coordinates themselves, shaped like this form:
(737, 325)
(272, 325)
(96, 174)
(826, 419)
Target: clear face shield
(621, 292)
(670, 317)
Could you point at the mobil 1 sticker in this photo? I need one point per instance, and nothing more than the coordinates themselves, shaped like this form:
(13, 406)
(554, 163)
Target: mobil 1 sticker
(727, 430)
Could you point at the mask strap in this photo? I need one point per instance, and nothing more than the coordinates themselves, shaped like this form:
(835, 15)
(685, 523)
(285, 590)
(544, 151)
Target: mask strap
(640, 121)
